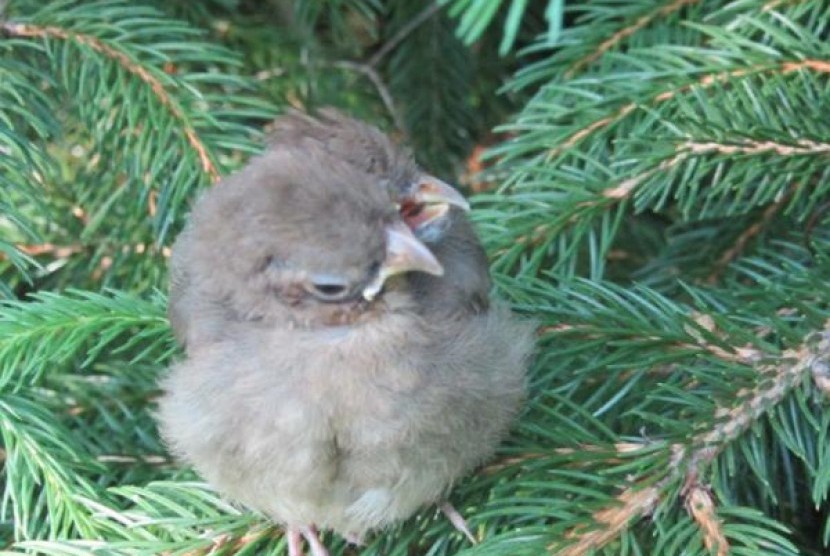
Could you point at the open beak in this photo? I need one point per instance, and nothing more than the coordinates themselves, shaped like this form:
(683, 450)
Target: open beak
(404, 253)
(428, 201)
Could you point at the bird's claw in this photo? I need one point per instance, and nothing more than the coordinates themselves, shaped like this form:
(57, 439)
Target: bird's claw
(294, 538)
(295, 542)
(457, 521)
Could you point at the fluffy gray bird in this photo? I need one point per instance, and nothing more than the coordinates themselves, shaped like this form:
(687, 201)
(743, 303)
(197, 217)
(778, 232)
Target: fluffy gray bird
(344, 364)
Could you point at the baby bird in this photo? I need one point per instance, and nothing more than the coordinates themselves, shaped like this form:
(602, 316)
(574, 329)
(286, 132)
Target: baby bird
(344, 362)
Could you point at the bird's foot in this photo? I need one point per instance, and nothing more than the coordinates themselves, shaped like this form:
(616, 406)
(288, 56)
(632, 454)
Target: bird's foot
(295, 541)
(294, 537)
(457, 520)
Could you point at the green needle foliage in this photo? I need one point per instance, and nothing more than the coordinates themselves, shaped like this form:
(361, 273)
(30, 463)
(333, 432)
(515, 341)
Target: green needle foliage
(655, 195)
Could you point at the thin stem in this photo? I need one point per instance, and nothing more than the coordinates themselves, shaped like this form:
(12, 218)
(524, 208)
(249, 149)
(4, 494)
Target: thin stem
(402, 33)
(373, 76)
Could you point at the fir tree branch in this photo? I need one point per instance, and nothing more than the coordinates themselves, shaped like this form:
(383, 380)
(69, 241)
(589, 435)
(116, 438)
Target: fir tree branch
(131, 66)
(802, 147)
(227, 543)
(743, 240)
(638, 24)
(627, 187)
(821, 378)
(64, 252)
(780, 376)
(701, 506)
(369, 68)
(402, 33)
(59, 251)
(683, 152)
(509, 461)
(37, 335)
(41, 455)
(369, 71)
(706, 80)
(131, 460)
(687, 146)
(631, 504)
(731, 354)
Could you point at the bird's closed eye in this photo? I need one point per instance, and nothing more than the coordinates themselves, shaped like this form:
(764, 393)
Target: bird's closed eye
(329, 288)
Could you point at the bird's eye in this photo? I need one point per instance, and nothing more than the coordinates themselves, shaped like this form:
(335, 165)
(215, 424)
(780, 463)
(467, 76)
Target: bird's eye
(329, 288)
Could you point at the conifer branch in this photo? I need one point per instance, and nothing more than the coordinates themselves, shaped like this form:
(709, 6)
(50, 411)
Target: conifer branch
(509, 461)
(620, 448)
(402, 33)
(131, 66)
(630, 190)
(629, 505)
(132, 460)
(707, 80)
(369, 71)
(821, 378)
(59, 251)
(227, 543)
(701, 506)
(66, 251)
(780, 376)
(625, 188)
(369, 68)
(638, 24)
(802, 147)
(746, 236)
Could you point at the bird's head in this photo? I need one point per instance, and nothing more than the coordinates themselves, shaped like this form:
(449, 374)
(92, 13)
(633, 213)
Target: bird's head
(302, 234)
(423, 201)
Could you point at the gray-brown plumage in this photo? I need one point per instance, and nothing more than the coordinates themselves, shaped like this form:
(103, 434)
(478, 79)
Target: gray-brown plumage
(344, 365)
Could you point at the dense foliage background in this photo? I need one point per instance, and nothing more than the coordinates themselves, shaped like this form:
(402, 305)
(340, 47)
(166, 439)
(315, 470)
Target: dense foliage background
(650, 178)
